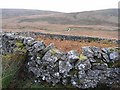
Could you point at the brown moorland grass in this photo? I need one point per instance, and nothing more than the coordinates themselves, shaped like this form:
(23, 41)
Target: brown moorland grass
(67, 45)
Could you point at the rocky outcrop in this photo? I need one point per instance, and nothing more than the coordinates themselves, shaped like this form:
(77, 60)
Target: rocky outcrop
(92, 67)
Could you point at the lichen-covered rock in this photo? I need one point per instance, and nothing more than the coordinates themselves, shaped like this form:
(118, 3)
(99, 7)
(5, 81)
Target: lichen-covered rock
(38, 46)
(49, 47)
(52, 55)
(64, 66)
(92, 60)
(28, 41)
(91, 52)
(105, 57)
(87, 52)
(73, 56)
(83, 65)
(114, 56)
(99, 66)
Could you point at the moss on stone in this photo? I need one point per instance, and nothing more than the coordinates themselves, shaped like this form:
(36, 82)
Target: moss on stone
(114, 64)
(82, 57)
(114, 49)
(19, 44)
(53, 51)
(20, 47)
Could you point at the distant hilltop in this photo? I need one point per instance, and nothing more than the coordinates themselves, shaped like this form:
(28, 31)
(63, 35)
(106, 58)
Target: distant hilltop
(97, 17)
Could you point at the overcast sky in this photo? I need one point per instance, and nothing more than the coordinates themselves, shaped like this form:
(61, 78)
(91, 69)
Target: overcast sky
(60, 5)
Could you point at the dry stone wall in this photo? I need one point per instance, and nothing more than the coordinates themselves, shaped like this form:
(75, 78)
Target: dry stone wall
(88, 69)
(67, 37)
